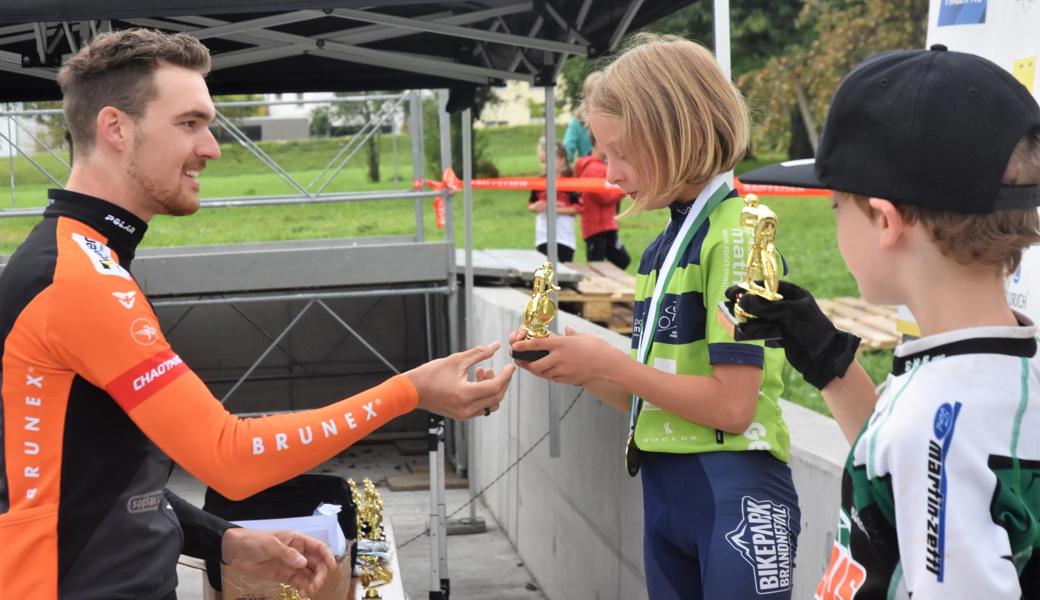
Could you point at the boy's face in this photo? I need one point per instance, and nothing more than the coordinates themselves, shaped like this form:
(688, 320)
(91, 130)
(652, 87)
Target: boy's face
(858, 237)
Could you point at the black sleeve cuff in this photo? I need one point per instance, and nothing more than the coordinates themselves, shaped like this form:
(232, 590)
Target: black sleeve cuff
(202, 530)
(736, 354)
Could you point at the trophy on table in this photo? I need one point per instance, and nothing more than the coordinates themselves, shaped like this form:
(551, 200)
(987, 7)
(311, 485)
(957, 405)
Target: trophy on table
(760, 266)
(540, 310)
(370, 568)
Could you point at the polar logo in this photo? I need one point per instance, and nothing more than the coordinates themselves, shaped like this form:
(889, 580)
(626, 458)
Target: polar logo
(763, 538)
(120, 223)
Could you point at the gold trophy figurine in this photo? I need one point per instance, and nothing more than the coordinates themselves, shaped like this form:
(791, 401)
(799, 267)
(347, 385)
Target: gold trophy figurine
(373, 575)
(760, 265)
(540, 310)
(288, 592)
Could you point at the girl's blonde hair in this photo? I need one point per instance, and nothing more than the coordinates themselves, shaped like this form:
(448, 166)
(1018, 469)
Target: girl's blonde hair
(683, 121)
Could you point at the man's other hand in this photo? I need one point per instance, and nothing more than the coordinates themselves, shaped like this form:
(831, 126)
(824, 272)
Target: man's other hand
(287, 557)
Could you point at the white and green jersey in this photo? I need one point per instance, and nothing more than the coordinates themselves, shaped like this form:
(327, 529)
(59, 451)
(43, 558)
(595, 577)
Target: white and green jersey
(941, 490)
(689, 340)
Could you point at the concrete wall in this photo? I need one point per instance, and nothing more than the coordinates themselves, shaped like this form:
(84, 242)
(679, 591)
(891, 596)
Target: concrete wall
(576, 520)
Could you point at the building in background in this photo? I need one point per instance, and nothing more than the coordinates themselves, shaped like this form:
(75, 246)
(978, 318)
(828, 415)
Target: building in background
(520, 104)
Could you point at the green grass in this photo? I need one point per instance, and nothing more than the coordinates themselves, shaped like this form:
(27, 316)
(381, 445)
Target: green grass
(500, 219)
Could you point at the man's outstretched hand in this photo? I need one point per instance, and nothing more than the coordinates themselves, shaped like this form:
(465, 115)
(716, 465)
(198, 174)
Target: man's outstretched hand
(814, 346)
(444, 387)
(284, 556)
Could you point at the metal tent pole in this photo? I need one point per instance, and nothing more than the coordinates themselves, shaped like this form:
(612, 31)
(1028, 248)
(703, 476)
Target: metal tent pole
(440, 588)
(550, 218)
(464, 447)
(415, 131)
(720, 15)
(10, 168)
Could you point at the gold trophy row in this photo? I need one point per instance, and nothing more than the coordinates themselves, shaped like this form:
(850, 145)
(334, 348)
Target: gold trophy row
(370, 527)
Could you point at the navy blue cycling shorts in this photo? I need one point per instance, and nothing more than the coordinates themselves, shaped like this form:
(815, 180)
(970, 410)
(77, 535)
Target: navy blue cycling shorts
(719, 525)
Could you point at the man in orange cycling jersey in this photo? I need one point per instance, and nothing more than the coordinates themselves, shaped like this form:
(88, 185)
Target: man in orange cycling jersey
(95, 403)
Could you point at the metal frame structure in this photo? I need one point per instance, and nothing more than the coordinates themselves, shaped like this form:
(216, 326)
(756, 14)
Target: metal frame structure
(335, 45)
(343, 45)
(310, 193)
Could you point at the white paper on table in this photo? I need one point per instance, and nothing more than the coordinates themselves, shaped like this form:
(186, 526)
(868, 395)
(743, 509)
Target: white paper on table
(322, 527)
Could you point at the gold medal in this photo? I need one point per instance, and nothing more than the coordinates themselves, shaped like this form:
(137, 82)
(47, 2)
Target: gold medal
(633, 455)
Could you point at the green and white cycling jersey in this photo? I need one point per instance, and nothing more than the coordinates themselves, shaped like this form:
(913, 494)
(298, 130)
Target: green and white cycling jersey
(689, 340)
(941, 491)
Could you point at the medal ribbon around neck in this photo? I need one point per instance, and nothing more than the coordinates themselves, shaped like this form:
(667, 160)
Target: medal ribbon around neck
(711, 196)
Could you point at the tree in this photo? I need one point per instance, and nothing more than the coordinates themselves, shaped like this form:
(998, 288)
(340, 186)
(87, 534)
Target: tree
(841, 33)
(53, 132)
(789, 57)
(574, 72)
(759, 29)
(483, 166)
(358, 115)
(321, 122)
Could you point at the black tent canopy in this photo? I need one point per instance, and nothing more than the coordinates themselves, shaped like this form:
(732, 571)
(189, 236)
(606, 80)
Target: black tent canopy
(273, 46)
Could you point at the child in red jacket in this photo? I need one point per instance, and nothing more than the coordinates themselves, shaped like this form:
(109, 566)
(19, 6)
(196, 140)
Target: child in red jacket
(568, 204)
(599, 224)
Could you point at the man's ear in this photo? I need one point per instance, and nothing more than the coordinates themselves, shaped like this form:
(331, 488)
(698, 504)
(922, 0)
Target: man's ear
(113, 128)
(892, 224)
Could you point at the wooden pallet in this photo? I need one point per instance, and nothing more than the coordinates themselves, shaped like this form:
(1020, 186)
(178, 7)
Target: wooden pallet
(603, 295)
(874, 324)
(606, 293)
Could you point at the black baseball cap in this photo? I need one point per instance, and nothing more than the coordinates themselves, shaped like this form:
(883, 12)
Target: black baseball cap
(932, 128)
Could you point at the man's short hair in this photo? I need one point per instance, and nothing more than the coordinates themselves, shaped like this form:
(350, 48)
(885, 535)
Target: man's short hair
(117, 69)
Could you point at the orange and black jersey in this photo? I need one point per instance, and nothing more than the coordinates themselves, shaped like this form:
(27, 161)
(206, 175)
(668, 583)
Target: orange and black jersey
(94, 405)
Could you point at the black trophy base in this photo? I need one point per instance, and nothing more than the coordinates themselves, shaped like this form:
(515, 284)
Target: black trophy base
(761, 331)
(530, 355)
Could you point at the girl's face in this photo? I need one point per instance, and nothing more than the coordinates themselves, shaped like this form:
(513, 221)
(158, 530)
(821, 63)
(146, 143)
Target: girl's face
(608, 137)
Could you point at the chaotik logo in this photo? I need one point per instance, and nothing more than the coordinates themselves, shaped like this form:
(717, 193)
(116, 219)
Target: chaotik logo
(763, 538)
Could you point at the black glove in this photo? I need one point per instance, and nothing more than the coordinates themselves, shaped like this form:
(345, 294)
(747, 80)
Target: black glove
(814, 347)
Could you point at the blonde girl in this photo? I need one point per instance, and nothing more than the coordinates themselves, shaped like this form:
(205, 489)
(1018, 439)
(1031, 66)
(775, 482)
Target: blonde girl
(720, 511)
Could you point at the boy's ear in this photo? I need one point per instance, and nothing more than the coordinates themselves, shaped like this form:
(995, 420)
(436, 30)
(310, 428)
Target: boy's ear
(892, 224)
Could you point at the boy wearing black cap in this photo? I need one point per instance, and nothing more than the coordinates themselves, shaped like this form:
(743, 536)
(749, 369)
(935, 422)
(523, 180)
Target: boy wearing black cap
(934, 159)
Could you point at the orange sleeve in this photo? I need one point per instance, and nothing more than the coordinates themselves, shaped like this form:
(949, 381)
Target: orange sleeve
(103, 328)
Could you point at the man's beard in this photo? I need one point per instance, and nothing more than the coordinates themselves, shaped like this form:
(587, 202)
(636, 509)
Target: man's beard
(168, 201)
